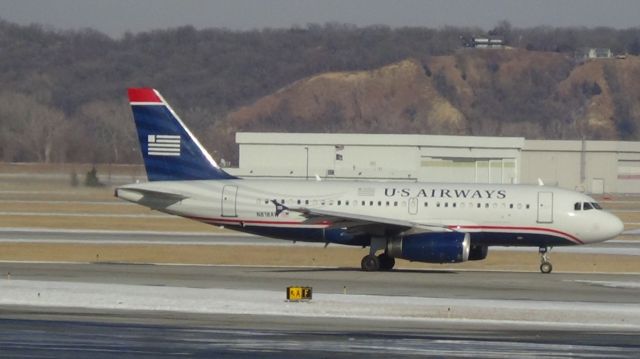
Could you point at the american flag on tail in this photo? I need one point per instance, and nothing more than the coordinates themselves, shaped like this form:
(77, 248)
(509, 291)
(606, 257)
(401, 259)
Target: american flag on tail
(163, 145)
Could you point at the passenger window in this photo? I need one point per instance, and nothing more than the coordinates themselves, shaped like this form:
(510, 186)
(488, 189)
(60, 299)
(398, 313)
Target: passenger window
(395, 204)
(486, 205)
(371, 203)
(511, 205)
(453, 205)
(528, 206)
(339, 203)
(586, 206)
(577, 206)
(479, 205)
(426, 204)
(438, 204)
(446, 204)
(364, 203)
(306, 201)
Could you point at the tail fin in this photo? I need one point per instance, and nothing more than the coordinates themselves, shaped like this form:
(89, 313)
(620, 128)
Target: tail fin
(170, 151)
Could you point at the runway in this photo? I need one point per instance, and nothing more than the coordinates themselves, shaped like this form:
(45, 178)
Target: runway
(212, 337)
(597, 288)
(35, 235)
(69, 310)
(352, 314)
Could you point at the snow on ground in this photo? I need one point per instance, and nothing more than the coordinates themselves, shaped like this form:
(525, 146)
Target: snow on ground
(612, 284)
(262, 302)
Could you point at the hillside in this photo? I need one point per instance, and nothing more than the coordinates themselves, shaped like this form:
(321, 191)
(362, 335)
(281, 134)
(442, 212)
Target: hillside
(474, 92)
(63, 98)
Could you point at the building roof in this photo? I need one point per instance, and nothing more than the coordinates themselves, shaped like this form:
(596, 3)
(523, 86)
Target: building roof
(359, 139)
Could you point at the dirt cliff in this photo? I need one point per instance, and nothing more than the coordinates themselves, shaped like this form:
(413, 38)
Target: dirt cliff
(473, 92)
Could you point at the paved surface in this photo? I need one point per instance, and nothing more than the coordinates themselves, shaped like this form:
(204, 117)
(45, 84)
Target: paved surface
(71, 333)
(27, 235)
(599, 288)
(106, 335)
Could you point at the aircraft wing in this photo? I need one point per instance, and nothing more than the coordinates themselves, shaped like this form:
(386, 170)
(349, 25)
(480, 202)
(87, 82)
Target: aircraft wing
(355, 221)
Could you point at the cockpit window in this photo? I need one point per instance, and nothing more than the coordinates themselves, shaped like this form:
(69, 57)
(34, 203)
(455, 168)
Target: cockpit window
(577, 206)
(596, 205)
(587, 206)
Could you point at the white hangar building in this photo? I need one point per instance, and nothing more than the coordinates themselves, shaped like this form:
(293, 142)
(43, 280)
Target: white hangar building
(591, 166)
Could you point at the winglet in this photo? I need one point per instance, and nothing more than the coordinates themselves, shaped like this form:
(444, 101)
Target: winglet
(279, 207)
(540, 183)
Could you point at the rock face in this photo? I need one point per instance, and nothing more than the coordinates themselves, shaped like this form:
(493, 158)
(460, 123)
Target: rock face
(396, 98)
(474, 92)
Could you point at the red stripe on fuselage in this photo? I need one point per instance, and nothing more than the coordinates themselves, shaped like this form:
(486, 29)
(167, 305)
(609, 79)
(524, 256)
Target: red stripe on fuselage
(453, 227)
(511, 228)
(143, 95)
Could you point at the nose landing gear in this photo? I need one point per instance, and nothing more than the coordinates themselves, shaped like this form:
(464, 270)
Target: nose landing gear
(545, 264)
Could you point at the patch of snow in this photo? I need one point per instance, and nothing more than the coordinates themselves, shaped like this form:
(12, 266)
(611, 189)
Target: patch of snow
(612, 284)
(263, 302)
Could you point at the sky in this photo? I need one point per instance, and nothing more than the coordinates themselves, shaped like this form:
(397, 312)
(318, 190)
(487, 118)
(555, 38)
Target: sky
(115, 17)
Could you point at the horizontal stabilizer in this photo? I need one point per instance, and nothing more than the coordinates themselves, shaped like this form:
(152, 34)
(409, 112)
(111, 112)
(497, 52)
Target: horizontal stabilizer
(148, 198)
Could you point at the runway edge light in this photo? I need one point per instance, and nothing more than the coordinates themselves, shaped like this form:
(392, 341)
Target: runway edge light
(299, 293)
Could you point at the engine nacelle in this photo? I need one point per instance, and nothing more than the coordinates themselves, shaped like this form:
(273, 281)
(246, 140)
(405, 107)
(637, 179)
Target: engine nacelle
(432, 247)
(478, 253)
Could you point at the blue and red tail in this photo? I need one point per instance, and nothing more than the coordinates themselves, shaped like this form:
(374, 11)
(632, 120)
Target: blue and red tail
(170, 151)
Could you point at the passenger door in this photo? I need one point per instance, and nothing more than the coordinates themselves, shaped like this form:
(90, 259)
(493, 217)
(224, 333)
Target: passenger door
(545, 207)
(229, 194)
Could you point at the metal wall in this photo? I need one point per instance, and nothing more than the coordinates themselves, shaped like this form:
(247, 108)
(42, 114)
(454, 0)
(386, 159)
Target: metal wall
(590, 166)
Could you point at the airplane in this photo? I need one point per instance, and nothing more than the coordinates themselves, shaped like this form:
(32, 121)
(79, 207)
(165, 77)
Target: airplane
(422, 222)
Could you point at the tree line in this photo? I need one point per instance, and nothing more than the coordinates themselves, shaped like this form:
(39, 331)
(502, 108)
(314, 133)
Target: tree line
(63, 98)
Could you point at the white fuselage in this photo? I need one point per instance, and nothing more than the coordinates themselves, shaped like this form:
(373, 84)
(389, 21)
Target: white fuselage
(515, 215)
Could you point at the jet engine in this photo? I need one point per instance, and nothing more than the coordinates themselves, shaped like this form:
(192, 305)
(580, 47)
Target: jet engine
(478, 253)
(431, 247)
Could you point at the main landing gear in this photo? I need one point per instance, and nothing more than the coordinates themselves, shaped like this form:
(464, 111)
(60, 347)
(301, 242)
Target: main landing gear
(372, 263)
(383, 261)
(545, 265)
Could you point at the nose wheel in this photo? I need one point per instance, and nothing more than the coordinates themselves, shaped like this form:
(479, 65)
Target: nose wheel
(545, 264)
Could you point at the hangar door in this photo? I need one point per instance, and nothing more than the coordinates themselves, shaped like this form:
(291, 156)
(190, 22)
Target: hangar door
(229, 194)
(545, 207)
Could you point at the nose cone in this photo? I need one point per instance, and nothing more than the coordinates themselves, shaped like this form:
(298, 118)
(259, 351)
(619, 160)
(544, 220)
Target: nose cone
(612, 227)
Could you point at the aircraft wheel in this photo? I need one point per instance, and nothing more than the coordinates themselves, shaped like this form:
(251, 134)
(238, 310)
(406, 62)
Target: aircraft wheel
(386, 261)
(546, 267)
(370, 263)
